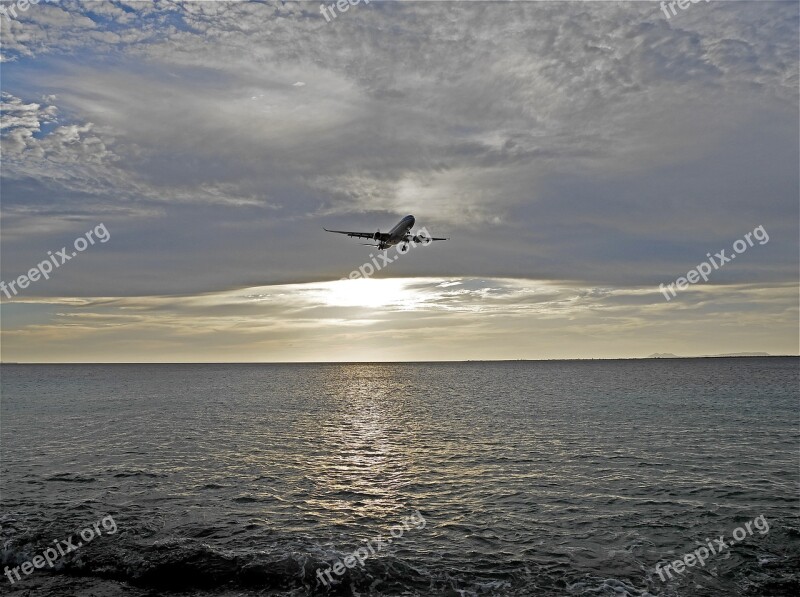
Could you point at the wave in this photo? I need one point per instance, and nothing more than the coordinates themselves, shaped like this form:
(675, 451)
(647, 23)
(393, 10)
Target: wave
(71, 478)
(185, 565)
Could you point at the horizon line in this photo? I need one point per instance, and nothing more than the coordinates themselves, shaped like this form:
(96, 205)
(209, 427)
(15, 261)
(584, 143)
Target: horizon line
(675, 357)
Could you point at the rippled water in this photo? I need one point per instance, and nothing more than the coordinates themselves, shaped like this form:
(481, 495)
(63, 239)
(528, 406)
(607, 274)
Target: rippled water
(533, 478)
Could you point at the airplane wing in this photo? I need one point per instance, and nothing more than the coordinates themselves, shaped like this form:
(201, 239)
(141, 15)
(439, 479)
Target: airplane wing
(369, 235)
(426, 239)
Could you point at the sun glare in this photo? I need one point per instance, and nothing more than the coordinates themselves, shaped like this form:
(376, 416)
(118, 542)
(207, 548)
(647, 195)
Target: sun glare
(365, 292)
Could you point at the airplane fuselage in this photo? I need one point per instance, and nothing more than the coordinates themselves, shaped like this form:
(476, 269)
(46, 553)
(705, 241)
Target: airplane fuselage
(399, 233)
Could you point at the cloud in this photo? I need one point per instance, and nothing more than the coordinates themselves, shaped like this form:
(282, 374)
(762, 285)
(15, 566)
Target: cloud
(591, 145)
(400, 319)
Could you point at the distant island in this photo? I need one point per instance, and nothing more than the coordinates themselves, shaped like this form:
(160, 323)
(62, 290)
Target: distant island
(669, 355)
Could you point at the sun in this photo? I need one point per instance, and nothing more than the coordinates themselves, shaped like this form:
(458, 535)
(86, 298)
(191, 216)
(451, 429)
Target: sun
(366, 292)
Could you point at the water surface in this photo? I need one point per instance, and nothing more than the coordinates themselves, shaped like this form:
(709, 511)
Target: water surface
(533, 478)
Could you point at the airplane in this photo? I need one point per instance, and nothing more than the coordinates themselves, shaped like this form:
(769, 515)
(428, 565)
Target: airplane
(399, 235)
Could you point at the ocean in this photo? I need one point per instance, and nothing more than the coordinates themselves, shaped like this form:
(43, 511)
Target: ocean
(445, 479)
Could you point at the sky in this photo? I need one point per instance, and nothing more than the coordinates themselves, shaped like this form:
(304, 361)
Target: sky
(577, 154)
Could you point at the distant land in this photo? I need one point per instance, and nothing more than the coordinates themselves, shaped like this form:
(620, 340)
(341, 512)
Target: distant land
(669, 355)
